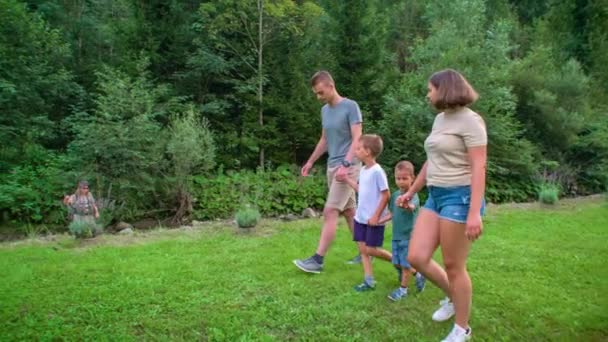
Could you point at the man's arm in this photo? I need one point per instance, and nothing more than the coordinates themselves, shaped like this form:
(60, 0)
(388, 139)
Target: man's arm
(320, 149)
(355, 132)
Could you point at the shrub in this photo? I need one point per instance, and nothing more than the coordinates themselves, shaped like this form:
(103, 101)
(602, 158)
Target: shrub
(82, 229)
(247, 217)
(548, 193)
(274, 193)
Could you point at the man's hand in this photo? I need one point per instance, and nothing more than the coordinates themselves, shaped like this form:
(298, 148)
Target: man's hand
(305, 169)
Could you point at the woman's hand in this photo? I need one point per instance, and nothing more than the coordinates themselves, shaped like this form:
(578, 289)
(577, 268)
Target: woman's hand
(474, 226)
(403, 201)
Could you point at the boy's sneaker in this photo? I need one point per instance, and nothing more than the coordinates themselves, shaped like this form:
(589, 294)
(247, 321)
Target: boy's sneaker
(458, 334)
(420, 282)
(309, 265)
(364, 286)
(398, 294)
(354, 261)
(445, 312)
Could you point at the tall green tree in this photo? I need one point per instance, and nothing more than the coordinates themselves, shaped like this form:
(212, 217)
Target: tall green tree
(36, 87)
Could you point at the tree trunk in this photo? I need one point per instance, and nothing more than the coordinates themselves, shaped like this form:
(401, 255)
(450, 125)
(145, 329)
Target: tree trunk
(260, 76)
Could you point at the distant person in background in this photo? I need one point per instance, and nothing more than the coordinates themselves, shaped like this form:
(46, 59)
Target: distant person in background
(81, 204)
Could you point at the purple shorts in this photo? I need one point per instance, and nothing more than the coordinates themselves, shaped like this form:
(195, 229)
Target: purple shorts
(373, 236)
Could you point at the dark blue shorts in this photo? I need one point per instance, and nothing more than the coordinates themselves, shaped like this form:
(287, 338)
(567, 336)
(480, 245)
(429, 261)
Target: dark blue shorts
(373, 236)
(451, 203)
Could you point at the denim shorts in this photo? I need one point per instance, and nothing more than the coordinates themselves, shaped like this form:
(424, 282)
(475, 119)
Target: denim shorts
(400, 250)
(373, 236)
(451, 203)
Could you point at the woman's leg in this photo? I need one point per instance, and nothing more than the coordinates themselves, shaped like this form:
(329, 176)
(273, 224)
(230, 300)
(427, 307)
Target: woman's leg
(455, 248)
(424, 242)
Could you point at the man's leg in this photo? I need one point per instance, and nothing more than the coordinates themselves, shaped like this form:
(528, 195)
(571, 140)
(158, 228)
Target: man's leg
(328, 232)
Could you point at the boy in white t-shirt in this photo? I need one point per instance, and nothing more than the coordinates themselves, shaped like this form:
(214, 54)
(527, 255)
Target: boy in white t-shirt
(373, 196)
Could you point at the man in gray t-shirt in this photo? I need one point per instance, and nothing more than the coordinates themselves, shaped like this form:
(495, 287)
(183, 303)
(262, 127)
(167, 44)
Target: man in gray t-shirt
(341, 119)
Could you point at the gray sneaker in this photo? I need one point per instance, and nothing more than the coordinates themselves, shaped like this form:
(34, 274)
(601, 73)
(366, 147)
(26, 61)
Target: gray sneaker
(308, 265)
(355, 261)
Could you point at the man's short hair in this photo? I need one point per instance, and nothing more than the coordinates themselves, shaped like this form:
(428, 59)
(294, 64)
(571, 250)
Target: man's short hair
(321, 76)
(373, 143)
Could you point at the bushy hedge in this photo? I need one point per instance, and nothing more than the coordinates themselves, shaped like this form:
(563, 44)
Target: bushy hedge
(273, 193)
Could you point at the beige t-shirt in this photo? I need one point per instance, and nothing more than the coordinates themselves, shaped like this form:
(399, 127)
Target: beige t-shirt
(446, 147)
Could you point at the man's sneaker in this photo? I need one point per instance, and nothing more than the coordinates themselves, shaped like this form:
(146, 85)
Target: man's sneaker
(420, 282)
(364, 286)
(445, 312)
(309, 265)
(354, 261)
(458, 334)
(398, 294)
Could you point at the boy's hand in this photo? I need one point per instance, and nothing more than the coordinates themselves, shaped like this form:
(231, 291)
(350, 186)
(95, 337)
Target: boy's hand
(373, 221)
(341, 174)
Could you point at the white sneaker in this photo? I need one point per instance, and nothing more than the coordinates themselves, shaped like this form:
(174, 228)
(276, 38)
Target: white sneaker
(445, 312)
(458, 334)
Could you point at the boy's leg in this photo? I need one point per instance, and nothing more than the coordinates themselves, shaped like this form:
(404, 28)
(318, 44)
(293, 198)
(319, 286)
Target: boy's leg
(360, 236)
(406, 274)
(374, 241)
(380, 253)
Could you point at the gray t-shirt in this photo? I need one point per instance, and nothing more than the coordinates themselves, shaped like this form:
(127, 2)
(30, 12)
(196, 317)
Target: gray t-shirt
(372, 181)
(337, 121)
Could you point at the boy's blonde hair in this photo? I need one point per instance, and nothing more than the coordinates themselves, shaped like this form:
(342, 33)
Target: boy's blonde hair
(405, 165)
(373, 143)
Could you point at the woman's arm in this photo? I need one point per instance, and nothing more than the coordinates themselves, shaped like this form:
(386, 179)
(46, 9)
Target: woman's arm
(478, 159)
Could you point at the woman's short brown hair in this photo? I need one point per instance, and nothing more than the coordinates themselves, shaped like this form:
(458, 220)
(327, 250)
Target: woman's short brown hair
(373, 143)
(453, 90)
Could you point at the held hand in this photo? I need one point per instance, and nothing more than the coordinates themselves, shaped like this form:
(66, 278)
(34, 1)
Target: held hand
(474, 227)
(341, 174)
(373, 221)
(305, 169)
(403, 201)
(96, 215)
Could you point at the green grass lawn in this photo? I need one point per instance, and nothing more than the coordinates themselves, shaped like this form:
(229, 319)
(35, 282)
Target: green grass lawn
(538, 274)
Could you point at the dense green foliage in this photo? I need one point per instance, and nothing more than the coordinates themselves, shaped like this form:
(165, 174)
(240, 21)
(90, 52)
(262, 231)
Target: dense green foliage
(273, 193)
(539, 274)
(167, 106)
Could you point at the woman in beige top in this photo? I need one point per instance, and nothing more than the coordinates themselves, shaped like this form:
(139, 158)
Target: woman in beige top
(454, 175)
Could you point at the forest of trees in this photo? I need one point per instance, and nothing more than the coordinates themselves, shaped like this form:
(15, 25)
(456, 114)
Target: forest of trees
(162, 103)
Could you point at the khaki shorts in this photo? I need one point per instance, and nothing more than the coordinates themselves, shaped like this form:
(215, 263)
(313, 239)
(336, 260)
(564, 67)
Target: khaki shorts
(341, 196)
